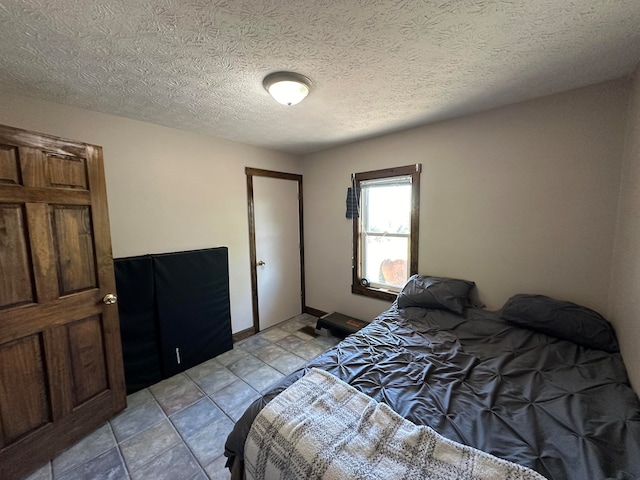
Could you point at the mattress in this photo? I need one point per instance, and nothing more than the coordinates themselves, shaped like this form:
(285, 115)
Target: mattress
(565, 410)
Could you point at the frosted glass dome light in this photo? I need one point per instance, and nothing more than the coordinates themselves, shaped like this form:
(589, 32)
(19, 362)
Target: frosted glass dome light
(287, 88)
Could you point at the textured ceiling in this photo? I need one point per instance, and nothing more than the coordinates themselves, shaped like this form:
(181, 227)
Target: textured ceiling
(376, 66)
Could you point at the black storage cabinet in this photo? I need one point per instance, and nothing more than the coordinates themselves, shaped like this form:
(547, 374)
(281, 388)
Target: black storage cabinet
(174, 312)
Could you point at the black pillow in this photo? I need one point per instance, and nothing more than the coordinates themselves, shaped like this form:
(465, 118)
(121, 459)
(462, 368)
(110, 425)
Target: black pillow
(561, 319)
(435, 292)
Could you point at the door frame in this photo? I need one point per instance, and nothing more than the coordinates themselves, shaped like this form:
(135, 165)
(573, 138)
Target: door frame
(257, 172)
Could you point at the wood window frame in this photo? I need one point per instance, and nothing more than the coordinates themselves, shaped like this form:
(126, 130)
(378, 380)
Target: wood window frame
(408, 170)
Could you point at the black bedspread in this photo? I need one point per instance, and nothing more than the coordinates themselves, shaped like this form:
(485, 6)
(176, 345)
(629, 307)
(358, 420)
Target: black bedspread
(564, 410)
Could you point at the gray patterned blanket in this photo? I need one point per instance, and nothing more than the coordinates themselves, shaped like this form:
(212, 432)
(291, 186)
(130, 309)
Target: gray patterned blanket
(321, 427)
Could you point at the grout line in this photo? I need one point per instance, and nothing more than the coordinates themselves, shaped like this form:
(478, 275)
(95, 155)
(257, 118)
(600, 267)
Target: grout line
(55, 474)
(118, 442)
(206, 397)
(124, 464)
(181, 440)
(129, 471)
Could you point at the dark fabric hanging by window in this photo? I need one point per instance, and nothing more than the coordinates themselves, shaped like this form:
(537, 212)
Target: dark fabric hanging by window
(353, 202)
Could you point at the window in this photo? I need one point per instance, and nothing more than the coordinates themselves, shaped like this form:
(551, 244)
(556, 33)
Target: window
(385, 231)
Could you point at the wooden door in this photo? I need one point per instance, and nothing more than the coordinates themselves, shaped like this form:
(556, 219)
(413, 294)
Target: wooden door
(276, 239)
(61, 372)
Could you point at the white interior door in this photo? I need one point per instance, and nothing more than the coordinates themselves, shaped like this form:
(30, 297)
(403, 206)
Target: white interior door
(277, 234)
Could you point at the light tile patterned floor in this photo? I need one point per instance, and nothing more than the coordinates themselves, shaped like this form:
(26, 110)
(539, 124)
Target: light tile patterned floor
(176, 429)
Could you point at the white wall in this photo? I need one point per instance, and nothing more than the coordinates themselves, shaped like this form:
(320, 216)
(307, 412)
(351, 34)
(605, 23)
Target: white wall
(625, 285)
(520, 199)
(168, 190)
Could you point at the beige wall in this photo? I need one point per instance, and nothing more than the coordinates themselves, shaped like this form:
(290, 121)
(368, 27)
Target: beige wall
(624, 309)
(168, 190)
(519, 199)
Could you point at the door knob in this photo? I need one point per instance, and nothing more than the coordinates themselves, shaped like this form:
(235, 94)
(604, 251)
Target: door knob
(261, 263)
(109, 299)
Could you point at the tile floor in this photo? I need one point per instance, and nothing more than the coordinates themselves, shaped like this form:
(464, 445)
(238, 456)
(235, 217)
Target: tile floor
(176, 429)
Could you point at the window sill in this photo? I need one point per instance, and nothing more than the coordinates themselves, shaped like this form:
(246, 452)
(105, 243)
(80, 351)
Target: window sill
(379, 293)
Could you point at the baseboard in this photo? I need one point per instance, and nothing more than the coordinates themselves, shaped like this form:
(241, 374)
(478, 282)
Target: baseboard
(314, 311)
(241, 335)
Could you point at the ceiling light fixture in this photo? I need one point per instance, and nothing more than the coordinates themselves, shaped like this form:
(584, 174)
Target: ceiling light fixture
(288, 88)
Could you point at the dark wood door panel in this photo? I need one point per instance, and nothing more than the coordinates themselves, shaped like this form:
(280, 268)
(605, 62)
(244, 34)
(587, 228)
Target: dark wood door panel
(67, 172)
(24, 400)
(16, 287)
(86, 344)
(73, 243)
(9, 168)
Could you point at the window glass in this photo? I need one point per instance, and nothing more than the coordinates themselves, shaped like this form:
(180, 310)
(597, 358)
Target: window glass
(385, 232)
(387, 208)
(386, 260)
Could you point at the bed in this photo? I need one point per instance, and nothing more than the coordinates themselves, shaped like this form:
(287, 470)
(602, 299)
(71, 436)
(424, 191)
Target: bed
(540, 383)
